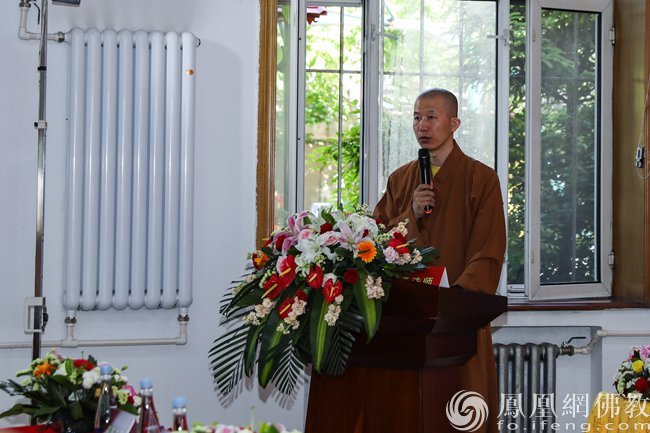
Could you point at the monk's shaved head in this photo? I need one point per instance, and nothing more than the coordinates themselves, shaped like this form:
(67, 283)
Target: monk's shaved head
(450, 99)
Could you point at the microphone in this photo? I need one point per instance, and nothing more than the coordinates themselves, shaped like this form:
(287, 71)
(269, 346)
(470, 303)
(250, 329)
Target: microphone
(425, 172)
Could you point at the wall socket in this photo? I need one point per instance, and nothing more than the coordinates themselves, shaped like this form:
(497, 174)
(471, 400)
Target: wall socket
(638, 160)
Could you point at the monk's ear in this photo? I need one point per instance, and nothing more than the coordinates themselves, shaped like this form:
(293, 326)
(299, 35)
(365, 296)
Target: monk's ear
(455, 123)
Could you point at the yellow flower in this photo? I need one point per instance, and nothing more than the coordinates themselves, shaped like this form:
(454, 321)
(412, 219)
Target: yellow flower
(637, 366)
(367, 251)
(44, 369)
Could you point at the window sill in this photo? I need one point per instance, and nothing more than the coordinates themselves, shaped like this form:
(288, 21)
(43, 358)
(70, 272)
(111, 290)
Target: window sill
(576, 304)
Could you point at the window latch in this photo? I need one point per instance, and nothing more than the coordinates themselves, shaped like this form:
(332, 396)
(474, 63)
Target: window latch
(504, 37)
(374, 33)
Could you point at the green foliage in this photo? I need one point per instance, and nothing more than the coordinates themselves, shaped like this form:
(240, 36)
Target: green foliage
(58, 391)
(326, 153)
(306, 299)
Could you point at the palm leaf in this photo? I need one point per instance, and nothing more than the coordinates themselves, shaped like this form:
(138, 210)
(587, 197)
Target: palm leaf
(227, 358)
(289, 366)
(349, 324)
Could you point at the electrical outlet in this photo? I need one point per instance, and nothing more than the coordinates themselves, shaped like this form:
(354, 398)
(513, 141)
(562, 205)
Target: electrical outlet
(639, 156)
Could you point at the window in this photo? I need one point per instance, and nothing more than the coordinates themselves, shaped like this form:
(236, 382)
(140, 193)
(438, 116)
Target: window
(559, 150)
(534, 84)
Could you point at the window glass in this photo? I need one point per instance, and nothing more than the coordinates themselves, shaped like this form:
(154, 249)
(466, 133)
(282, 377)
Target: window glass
(333, 107)
(440, 43)
(569, 174)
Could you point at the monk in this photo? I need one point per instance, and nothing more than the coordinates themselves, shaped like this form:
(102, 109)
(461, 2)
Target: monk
(466, 223)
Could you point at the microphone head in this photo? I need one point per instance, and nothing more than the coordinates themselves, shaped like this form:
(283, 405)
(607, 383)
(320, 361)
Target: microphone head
(423, 153)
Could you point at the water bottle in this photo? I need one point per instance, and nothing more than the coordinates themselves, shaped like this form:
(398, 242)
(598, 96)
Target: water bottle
(148, 418)
(106, 403)
(180, 414)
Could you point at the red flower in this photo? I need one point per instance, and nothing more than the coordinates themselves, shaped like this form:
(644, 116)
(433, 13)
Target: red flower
(315, 277)
(279, 240)
(399, 243)
(326, 228)
(287, 269)
(273, 287)
(287, 305)
(641, 384)
(331, 290)
(83, 363)
(351, 276)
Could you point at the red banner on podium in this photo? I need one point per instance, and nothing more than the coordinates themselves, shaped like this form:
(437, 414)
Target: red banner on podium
(39, 428)
(433, 275)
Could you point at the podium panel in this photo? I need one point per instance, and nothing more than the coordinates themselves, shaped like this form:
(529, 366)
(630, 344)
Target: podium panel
(402, 380)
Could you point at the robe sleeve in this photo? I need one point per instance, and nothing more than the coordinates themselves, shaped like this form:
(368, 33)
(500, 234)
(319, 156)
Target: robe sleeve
(487, 243)
(389, 212)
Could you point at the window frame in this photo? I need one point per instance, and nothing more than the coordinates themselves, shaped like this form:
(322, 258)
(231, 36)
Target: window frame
(533, 288)
(372, 61)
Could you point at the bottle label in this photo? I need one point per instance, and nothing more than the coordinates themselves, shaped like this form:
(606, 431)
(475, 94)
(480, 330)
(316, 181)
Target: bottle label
(122, 422)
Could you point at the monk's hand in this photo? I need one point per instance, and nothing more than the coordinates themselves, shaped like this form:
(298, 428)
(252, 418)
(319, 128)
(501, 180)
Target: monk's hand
(423, 196)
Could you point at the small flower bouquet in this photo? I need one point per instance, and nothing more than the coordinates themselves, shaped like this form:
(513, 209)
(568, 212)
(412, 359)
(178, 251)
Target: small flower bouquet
(312, 287)
(66, 390)
(223, 428)
(632, 378)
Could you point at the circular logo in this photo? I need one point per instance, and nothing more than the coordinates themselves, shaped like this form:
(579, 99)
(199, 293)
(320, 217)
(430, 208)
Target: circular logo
(467, 411)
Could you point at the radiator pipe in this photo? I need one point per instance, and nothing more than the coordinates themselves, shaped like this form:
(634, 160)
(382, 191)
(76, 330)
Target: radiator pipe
(26, 35)
(602, 333)
(71, 342)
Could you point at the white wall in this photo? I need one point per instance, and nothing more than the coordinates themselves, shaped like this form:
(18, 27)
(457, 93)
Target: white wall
(224, 196)
(224, 214)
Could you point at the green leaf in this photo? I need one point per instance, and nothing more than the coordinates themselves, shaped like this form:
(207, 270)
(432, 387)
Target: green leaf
(270, 339)
(289, 366)
(268, 428)
(320, 332)
(18, 409)
(370, 308)
(46, 410)
(227, 358)
(76, 410)
(251, 350)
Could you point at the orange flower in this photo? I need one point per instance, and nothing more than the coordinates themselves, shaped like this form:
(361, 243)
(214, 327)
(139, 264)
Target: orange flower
(259, 259)
(367, 251)
(44, 369)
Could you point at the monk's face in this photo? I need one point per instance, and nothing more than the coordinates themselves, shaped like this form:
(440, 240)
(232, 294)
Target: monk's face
(433, 124)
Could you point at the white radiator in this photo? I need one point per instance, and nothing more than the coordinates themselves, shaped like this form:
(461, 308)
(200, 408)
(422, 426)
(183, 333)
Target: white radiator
(129, 210)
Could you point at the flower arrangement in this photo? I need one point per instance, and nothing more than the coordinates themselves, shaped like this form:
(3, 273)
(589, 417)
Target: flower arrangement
(66, 390)
(223, 428)
(633, 375)
(311, 288)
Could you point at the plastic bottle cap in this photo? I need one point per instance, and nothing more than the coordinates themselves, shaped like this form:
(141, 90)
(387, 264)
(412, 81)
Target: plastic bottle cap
(178, 402)
(146, 383)
(105, 369)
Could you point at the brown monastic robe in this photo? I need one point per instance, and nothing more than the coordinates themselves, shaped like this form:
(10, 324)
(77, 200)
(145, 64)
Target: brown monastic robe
(467, 227)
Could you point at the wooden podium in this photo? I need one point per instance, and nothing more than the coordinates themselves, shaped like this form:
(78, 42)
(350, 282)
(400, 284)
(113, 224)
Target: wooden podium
(402, 380)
